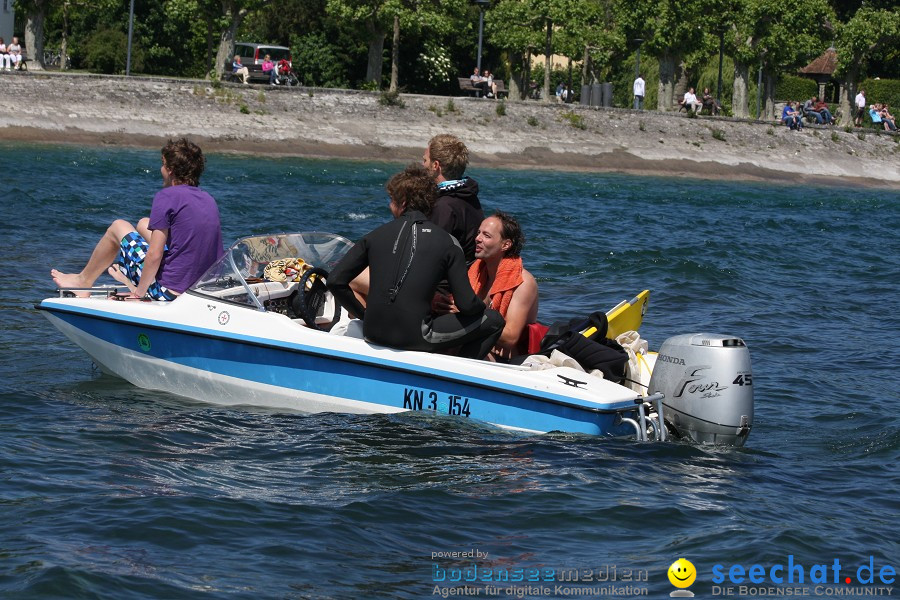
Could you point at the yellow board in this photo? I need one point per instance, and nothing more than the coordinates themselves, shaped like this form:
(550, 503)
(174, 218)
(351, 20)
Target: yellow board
(625, 316)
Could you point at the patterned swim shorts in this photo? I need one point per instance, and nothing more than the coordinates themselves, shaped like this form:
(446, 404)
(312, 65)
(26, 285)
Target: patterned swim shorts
(132, 252)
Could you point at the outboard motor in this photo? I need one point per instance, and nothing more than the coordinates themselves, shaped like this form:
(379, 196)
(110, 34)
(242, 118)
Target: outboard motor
(708, 387)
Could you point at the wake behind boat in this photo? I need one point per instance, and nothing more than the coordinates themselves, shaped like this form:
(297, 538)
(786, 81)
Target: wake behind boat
(252, 331)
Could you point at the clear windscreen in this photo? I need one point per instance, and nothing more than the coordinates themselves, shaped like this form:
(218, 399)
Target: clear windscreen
(245, 262)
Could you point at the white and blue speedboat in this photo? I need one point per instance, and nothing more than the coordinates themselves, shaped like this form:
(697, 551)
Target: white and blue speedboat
(237, 337)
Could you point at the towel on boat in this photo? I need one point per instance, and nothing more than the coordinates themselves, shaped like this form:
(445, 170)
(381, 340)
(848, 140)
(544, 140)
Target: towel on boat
(509, 277)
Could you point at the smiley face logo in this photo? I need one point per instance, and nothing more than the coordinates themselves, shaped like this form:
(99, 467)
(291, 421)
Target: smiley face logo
(682, 573)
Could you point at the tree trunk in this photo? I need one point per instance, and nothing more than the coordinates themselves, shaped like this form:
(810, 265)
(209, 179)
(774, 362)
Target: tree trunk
(223, 54)
(666, 82)
(526, 74)
(376, 52)
(210, 48)
(516, 76)
(64, 39)
(739, 91)
(681, 84)
(769, 80)
(226, 41)
(395, 55)
(586, 66)
(34, 36)
(848, 94)
(548, 63)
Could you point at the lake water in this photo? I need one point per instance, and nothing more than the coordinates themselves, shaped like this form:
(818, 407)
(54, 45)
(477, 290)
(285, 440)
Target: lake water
(108, 491)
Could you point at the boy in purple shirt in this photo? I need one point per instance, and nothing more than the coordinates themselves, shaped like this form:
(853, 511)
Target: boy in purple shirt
(171, 249)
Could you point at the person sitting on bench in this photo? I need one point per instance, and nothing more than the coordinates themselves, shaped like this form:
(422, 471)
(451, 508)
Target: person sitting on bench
(238, 69)
(479, 82)
(690, 101)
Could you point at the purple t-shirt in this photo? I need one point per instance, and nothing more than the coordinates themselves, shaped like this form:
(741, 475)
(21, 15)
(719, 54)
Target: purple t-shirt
(195, 234)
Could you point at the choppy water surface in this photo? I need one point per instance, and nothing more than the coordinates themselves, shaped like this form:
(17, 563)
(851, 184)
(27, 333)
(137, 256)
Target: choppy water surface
(108, 491)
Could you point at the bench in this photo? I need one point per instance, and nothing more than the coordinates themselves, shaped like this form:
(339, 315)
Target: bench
(707, 108)
(465, 85)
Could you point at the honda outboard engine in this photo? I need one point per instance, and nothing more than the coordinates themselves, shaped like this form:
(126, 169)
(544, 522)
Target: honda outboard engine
(708, 387)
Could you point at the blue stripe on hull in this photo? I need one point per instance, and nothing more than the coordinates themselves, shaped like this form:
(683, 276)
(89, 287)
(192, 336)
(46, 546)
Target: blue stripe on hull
(329, 376)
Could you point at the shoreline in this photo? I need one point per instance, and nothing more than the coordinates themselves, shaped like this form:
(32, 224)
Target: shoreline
(349, 124)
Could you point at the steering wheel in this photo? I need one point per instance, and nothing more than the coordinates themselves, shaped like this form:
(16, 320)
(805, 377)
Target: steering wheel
(306, 303)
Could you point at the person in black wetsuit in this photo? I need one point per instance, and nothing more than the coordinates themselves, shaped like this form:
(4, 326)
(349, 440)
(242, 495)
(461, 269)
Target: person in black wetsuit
(407, 258)
(457, 209)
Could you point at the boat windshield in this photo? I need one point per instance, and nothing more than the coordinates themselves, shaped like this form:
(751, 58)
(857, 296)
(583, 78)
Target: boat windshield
(245, 262)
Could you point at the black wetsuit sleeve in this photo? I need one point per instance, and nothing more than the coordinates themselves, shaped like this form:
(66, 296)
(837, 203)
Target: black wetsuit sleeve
(352, 264)
(458, 278)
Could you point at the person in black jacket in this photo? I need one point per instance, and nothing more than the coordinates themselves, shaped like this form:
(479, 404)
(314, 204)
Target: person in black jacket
(407, 259)
(457, 209)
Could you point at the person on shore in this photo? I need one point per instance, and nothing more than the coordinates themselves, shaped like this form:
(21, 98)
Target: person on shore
(238, 69)
(811, 113)
(821, 107)
(638, 89)
(791, 117)
(167, 252)
(690, 101)
(491, 86)
(498, 277)
(860, 102)
(479, 82)
(268, 68)
(407, 259)
(887, 119)
(15, 53)
(4, 56)
(709, 102)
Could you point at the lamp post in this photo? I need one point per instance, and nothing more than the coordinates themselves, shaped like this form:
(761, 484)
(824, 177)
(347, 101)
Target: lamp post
(481, 6)
(637, 63)
(721, 56)
(130, 28)
(637, 67)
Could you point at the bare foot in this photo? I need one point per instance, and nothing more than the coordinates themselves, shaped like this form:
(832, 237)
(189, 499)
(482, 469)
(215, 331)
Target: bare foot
(70, 280)
(119, 276)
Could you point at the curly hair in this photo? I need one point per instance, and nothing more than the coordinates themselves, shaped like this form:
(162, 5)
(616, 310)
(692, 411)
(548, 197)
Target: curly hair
(184, 160)
(451, 153)
(413, 189)
(511, 231)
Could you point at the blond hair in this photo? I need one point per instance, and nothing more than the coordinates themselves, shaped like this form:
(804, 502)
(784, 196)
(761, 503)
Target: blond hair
(451, 153)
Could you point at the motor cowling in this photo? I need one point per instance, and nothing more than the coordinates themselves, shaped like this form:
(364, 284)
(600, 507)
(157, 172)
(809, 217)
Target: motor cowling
(708, 385)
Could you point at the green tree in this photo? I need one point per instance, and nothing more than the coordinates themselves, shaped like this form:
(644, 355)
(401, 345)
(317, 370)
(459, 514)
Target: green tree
(317, 61)
(523, 27)
(778, 36)
(233, 13)
(672, 31)
(35, 14)
(106, 52)
(867, 31)
(513, 26)
(374, 18)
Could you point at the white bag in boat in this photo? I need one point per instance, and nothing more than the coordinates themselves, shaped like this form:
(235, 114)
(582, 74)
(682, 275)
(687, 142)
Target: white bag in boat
(539, 362)
(637, 371)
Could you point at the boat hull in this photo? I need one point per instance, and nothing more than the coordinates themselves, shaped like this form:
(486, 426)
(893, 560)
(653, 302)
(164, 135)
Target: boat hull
(309, 371)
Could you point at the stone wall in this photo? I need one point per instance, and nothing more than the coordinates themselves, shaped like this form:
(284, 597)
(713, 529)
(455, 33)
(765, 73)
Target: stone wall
(141, 111)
